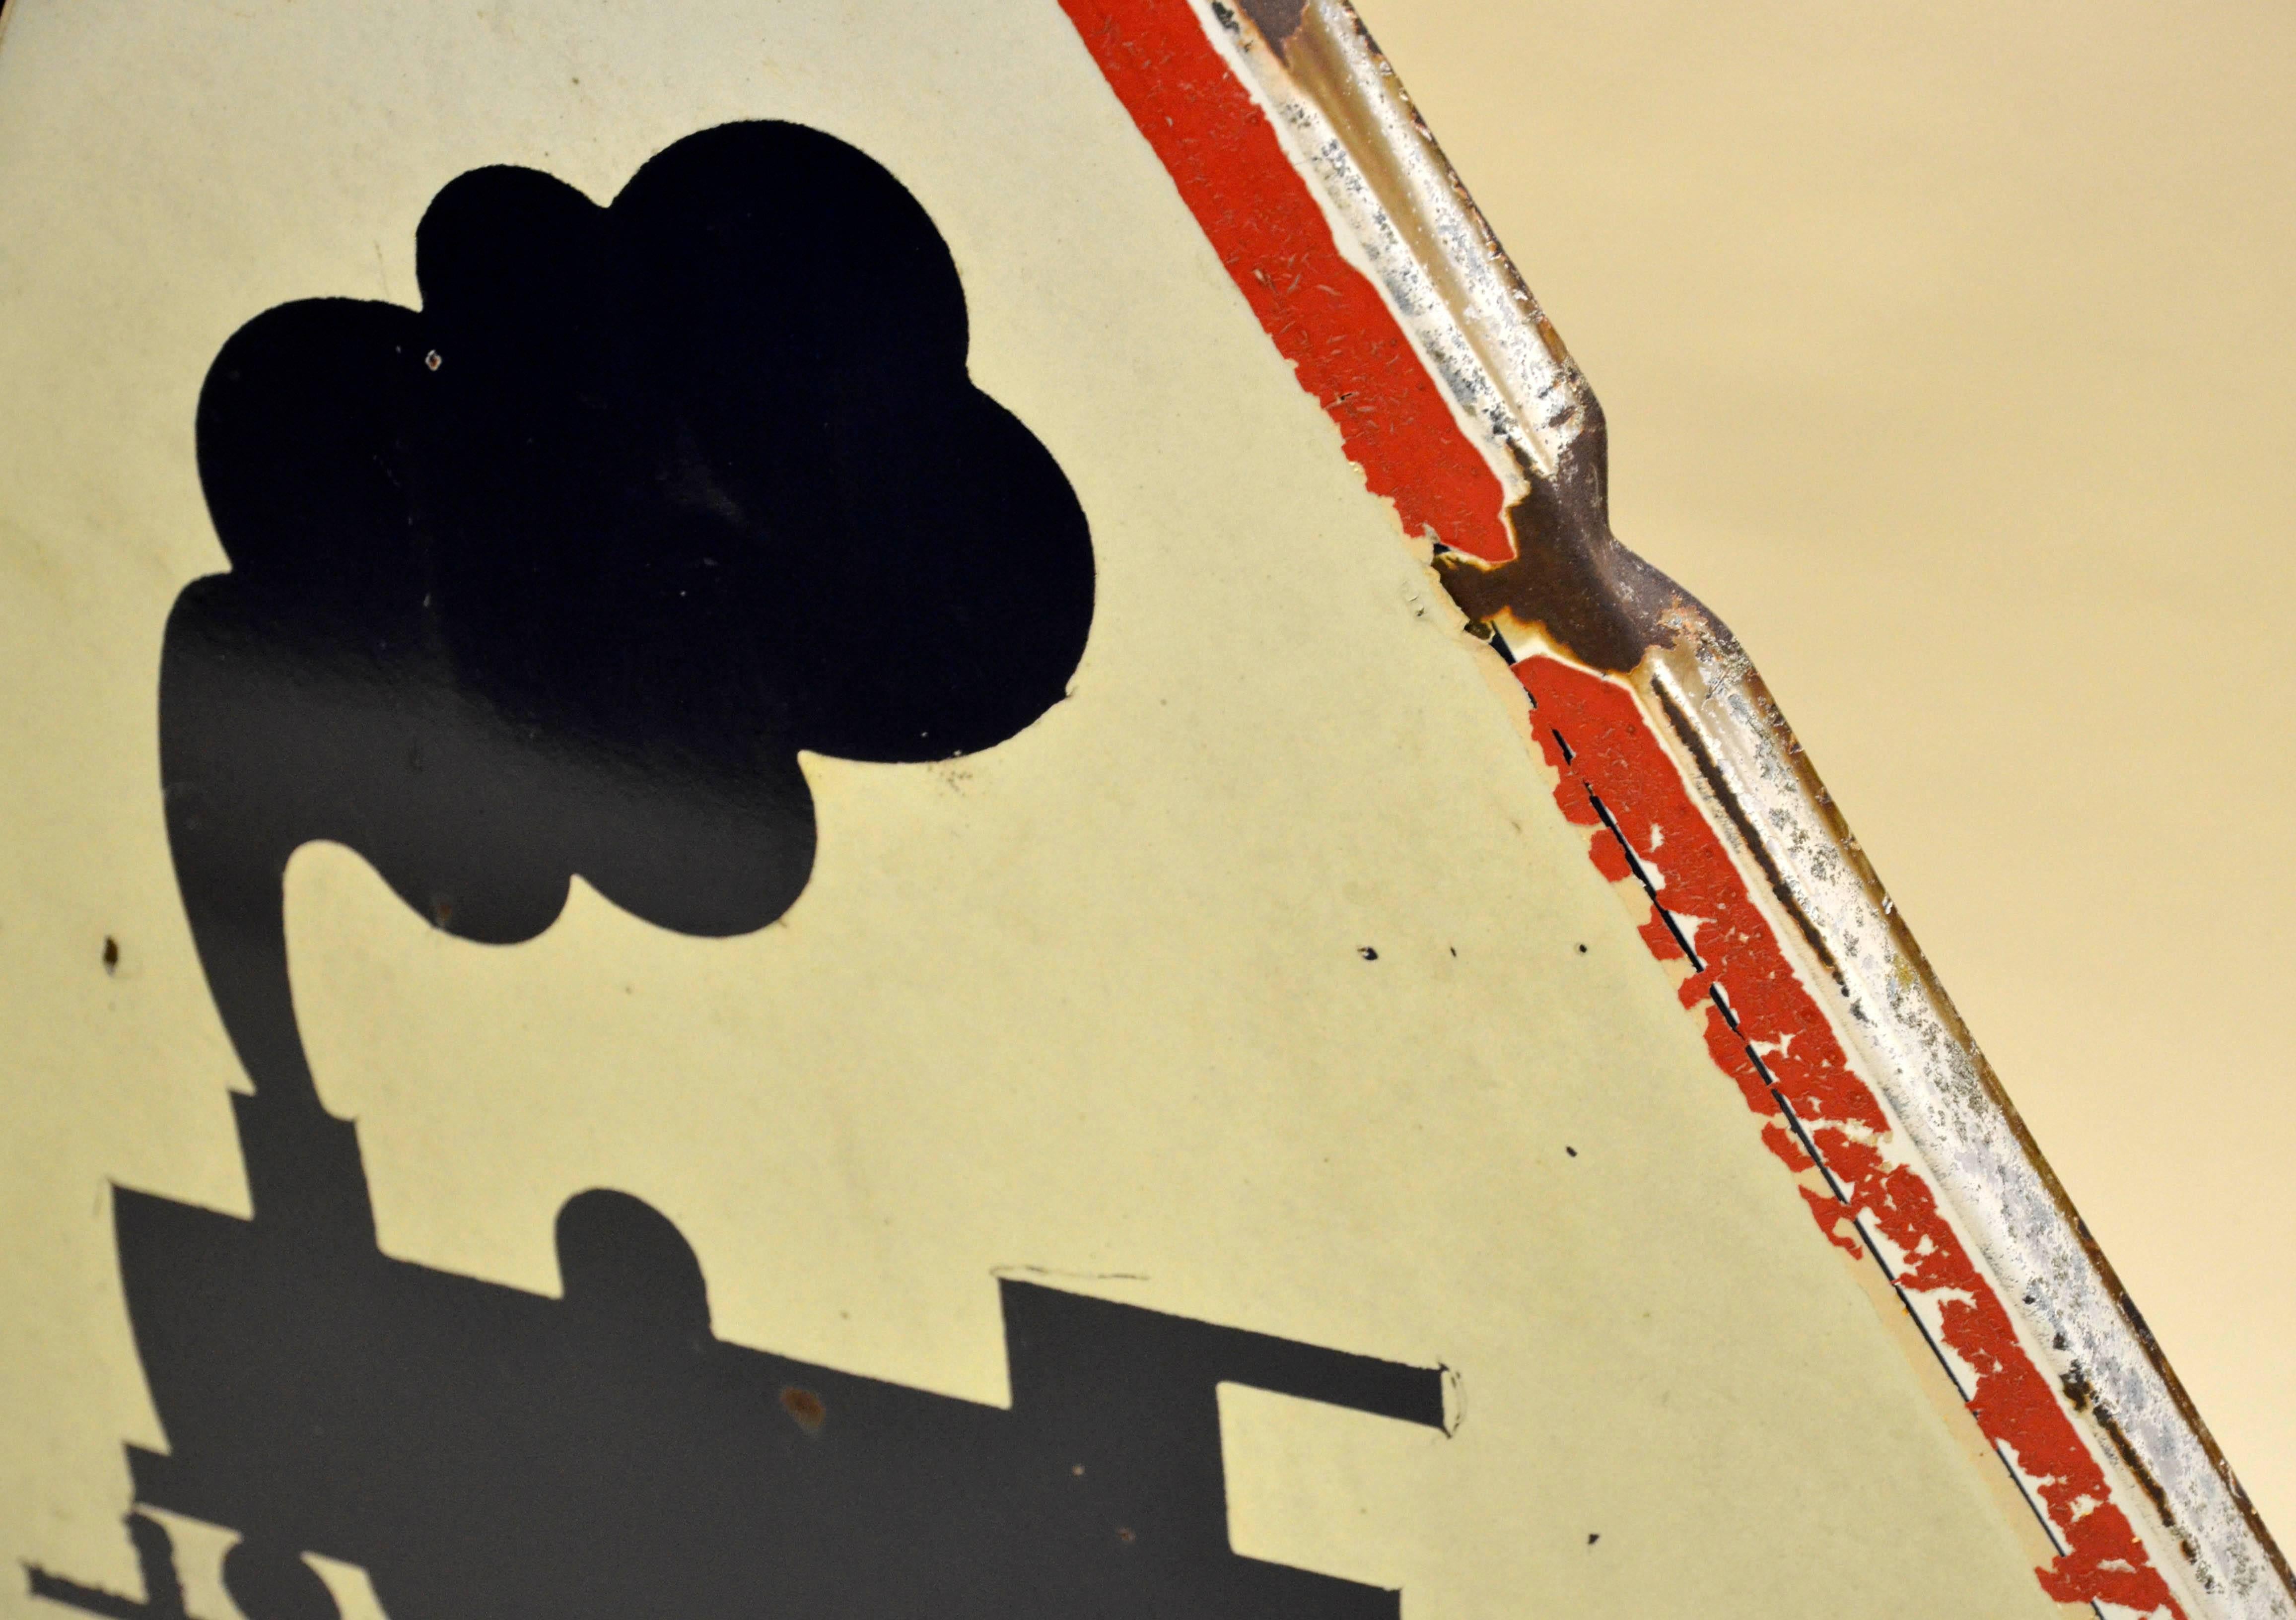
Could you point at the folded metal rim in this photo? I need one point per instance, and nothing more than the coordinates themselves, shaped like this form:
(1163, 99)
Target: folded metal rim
(1910, 1151)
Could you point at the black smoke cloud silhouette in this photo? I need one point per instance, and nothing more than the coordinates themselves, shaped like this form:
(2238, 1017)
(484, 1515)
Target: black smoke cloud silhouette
(559, 574)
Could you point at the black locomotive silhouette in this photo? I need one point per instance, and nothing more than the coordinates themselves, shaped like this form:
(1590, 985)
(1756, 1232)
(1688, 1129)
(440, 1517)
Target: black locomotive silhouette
(559, 575)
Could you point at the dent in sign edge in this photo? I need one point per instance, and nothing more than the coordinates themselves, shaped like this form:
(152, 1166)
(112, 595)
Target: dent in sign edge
(1980, 1152)
(1972, 1143)
(1540, 557)
(1602, 606)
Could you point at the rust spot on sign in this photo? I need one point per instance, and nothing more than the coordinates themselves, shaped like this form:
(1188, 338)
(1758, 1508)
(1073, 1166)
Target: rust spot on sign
(807, 1409)
(1277, 21)
(1569, 576)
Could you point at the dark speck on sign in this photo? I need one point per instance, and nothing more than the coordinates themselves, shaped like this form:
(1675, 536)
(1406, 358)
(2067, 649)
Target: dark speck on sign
(1573, 1152)
(111, 954)
(1593, 1537)
(1582, 950)
(1367, 953)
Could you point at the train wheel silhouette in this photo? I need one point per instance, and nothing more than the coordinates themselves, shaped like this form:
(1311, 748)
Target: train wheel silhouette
(269, 1581)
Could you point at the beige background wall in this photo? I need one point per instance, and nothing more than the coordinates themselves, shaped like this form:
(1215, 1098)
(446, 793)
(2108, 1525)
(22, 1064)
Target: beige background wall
(1949, 352)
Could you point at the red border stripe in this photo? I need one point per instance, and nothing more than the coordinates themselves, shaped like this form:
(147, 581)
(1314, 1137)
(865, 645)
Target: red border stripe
(1326, 316)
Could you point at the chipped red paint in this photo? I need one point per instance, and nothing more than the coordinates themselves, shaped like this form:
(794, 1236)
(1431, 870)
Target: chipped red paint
(1326, 317)
(1763, 1026)
(1618, 782)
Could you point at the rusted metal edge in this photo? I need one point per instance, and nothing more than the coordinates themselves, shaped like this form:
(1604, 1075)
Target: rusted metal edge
(1399, 211)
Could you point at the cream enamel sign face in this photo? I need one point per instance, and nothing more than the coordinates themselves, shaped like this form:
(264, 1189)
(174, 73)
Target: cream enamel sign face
(750, 873)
